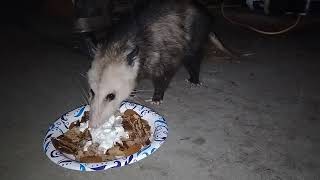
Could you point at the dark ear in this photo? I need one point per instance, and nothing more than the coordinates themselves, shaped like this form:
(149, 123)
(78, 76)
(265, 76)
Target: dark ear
(132, 56)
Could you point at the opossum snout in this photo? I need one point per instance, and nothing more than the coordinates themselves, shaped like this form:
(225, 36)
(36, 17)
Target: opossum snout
(97, 118)
(101, 109)
(94, 119)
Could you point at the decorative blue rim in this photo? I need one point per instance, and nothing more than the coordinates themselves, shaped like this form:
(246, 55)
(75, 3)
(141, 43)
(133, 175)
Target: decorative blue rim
(159, 129)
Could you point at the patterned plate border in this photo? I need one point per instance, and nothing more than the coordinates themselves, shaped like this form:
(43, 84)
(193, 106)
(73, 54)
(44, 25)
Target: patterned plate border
(159, 129)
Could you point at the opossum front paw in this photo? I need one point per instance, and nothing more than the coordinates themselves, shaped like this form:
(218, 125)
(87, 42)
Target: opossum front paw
(192, 84)
(154, 102)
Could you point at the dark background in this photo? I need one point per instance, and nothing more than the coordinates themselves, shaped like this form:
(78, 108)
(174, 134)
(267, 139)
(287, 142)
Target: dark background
(254, 119)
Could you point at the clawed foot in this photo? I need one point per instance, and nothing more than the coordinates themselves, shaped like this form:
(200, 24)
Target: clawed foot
(154, 102)
(193, 85)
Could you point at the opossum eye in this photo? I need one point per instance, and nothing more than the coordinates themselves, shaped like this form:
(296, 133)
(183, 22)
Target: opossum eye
(110, 97)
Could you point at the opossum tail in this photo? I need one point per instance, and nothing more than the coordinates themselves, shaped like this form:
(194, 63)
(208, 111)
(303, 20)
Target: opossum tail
(218, 44)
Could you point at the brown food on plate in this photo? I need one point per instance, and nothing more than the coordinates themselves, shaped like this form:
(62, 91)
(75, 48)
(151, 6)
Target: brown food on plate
(73, 141)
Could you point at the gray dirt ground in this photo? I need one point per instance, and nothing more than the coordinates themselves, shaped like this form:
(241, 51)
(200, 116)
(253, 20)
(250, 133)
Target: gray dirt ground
(258, 119)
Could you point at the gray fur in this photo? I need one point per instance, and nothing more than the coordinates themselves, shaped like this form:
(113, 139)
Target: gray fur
(168, 34)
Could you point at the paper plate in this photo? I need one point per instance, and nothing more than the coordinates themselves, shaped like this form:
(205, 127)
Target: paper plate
(159, 132)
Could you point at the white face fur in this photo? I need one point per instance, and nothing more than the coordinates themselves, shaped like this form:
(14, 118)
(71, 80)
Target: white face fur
(111, 80)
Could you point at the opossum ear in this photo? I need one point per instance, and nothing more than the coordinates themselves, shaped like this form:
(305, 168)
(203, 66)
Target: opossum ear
(132, 56)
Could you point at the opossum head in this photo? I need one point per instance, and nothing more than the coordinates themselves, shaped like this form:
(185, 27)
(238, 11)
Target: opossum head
(112, 77)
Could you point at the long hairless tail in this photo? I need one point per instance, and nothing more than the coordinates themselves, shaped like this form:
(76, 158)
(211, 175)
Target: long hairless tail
(217, 43)
(214, 39)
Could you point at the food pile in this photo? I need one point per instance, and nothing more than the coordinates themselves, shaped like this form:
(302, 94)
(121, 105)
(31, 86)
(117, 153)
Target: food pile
(78, 141)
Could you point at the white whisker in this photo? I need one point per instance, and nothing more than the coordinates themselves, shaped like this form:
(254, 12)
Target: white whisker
(84, 76)
(142, 90)
(84, 94)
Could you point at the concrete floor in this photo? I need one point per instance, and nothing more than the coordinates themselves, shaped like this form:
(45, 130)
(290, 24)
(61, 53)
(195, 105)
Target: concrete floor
(258, 119)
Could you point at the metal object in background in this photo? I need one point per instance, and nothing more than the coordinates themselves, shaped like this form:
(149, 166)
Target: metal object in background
(248, 26)
(255, 4)
(94, 18)
(313, 7)
(91, 23)
(278, 7)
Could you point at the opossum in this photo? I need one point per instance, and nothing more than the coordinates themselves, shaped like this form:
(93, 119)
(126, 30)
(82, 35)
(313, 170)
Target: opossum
(152, 45)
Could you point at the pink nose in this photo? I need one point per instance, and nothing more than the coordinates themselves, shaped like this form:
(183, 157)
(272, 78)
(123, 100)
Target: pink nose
(93, 121)
(92, 124)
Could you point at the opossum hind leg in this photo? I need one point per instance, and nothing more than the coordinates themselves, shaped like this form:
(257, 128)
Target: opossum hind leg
(160, 86)
(192, 63)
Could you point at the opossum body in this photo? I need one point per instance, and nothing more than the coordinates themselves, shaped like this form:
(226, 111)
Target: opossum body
(154, 45)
